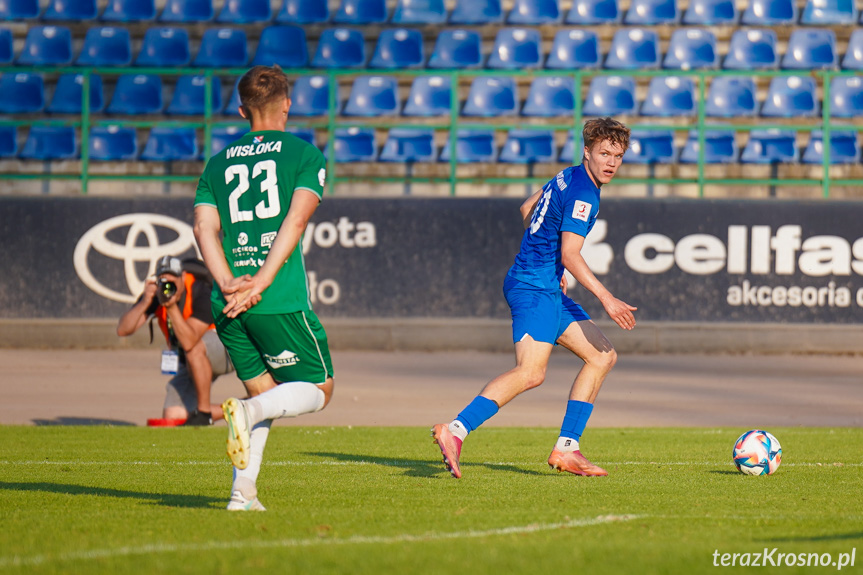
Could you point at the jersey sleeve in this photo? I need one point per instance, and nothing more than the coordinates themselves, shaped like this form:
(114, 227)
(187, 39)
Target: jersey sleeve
(204, 193)
(312, 172)
(579, 210)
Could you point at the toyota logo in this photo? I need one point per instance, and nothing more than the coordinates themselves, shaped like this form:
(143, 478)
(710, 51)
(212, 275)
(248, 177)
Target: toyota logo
(130, 253)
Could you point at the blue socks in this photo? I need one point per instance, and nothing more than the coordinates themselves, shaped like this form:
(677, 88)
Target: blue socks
(477, 412)
(575, 419)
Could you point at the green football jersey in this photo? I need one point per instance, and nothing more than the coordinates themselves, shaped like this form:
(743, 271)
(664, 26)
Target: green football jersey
(251, 183)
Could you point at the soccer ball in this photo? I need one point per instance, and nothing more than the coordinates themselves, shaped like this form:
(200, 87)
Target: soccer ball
(757, 452)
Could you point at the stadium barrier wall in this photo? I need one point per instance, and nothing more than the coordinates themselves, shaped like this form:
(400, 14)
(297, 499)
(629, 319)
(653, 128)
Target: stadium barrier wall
(706, 275)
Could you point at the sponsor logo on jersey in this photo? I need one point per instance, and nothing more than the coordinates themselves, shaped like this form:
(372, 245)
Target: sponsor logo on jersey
(253, 150)
(139, 244)
(561, 184)
(243, 238)
(322, 177)
(257, 139)
(581, 210)
(267, 239)
(284, 359)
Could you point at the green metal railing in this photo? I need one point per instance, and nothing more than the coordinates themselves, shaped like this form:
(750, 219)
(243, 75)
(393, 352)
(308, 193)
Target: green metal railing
(452, 124)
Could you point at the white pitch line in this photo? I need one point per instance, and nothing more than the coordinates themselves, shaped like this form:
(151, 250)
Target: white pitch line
(16, 561)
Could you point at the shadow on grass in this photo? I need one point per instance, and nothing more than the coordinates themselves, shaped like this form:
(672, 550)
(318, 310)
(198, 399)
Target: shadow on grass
(166, 499)
(724, 472)
(82, 421)
(416, 467)
(837, 537)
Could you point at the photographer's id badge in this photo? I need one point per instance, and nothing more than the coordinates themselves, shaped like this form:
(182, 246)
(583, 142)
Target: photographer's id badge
(170, 362)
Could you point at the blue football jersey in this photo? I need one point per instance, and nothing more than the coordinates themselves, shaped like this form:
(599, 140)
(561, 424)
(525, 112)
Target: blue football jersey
(569, 203)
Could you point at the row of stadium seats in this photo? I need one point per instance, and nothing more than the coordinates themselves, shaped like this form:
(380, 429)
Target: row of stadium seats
(114, 143)
(514, 48)
(532, 12)
(429, 96)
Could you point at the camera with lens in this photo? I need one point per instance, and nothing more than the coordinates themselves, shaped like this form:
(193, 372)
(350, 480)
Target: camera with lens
(165, 290)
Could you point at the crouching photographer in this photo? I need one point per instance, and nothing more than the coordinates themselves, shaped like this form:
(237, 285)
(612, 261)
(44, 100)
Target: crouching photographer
(178, 297)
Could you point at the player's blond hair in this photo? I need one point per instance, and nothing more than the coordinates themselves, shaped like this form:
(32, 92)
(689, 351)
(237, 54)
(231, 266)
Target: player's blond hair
(262, 86)
(601, 129)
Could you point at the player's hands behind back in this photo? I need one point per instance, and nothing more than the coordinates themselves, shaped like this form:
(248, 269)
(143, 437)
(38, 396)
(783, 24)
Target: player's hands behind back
(241, 293)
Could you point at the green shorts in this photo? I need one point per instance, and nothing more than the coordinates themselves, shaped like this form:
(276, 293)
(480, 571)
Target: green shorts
(291, 346)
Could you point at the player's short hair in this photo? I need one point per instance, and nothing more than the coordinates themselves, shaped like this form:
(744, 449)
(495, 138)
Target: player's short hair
(601, 129)
(261, 86)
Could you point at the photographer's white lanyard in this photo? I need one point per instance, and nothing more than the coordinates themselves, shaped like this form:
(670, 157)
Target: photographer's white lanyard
(170, 359)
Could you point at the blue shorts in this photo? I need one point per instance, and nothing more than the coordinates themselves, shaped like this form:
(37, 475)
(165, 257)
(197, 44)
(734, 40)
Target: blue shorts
(542, 314)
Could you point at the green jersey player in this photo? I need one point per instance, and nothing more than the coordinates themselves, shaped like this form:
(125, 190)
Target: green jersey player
(252, 206)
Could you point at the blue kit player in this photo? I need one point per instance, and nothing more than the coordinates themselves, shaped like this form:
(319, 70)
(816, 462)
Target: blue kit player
(557, 219)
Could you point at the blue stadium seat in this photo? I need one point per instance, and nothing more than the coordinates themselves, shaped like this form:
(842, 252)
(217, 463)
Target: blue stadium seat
(47, 46)
(610, 96)
(528, 147)
(310, 96)
(719, 148)
(476, 12)
(590, 12)
(189, 94)
(19, 9)
(471, 147)
(223, 48)
(846, 97)
(751, 49)
(844, 148)
(8, 141)
(456, 49)
(549, 96)
(69, 94)
(853, 59)
(21, 93)
(573, 49)
(7, 52)
(187, 11)
(307, 134)
(245, 12)
(650, 147)
(70, 10)
(220, 137)
(633, 48)
(429, 96)
(50, 143)
(419, 12)
(113, 143)
(164, 47)
(136, 94)
(398, 48)
(829, 12)
(107, 46)
(770, 147)
(769, 13)
(516, 48)
(711, 13)
(568, 153)
(406, 145)
(170, 144)
(303, 12)
(373, 96)
(651, 12)
(669, 96)
(731, 97)
(129, 11)
(691, 49)
(533, 12)
(354, 145)
(789, 97)
(490, 97)
(340, 48)
(361, 12)
(810, 49)
(282, 45)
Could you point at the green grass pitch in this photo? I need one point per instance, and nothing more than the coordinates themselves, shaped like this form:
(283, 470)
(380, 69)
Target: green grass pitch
(119, 500)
